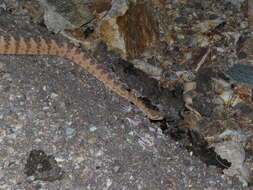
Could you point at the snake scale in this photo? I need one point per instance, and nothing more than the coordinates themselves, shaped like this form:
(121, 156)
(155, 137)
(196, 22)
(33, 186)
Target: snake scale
(40, 46)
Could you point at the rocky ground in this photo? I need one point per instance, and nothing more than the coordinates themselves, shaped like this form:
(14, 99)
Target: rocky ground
(60, 128)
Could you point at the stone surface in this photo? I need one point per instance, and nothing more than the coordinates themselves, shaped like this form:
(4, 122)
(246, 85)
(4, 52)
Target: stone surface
(65, 14)
(101, 140)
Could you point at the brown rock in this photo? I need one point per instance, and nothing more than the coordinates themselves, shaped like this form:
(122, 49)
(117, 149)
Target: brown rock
(139, 28)
(250, 13)
(130, 29)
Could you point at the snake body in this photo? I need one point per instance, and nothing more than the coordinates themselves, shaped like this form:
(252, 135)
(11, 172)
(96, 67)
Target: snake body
(41, 46)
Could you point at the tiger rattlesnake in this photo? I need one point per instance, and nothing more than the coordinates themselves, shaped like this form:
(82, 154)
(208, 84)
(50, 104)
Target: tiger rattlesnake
(41, 46)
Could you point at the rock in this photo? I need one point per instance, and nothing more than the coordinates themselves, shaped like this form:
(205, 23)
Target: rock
(140, 30)
(65, 14)
(234, 152)
(242, 74)
(250, 13)
(122, 32)
(70, 132)
(109, 29)
(207, 25)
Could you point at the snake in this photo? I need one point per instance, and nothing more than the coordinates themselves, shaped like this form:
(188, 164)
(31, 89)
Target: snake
(13, 45)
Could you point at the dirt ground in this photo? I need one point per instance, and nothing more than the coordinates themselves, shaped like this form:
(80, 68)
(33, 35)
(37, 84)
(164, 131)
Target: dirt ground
(99, 140)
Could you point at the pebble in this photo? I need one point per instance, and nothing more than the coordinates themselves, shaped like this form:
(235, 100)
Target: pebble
(70, 132)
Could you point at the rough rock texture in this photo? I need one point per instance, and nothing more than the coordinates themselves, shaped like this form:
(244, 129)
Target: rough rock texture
(65, 14)
(101, 141)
